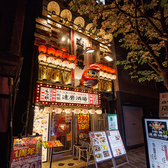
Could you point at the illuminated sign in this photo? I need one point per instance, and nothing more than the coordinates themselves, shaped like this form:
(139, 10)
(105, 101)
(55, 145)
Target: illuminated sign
(157, 142)
(83, 121)
(27, 152)
(57, 95)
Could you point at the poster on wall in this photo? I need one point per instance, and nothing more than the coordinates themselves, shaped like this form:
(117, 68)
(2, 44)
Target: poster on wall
(40, 126)
(27, 152)
(112, 122)
(100, 146)
(83, 125)
(163, 105)
(116, 143)
(157, 142)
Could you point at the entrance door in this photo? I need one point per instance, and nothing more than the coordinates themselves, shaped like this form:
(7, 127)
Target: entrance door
(133, 125)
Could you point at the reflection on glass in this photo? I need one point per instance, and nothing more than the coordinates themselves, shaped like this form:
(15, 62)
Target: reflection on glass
(61, 129)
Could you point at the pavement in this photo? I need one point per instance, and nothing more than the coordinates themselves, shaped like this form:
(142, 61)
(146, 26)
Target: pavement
(136, 157)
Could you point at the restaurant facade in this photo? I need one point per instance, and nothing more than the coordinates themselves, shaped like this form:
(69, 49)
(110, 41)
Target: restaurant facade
(72, 78)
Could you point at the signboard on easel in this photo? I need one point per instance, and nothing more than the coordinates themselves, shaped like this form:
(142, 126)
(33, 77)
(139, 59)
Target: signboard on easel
(107, 145)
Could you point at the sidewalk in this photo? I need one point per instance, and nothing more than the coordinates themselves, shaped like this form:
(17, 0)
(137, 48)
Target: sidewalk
(136, 158)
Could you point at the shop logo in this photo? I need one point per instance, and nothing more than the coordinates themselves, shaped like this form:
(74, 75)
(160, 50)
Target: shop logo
(156, 125)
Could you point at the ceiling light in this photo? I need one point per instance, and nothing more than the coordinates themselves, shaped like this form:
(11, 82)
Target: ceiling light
(108, 58)
(89, 50)
(63, 39)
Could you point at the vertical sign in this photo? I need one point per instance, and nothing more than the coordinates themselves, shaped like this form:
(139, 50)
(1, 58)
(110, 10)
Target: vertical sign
(112, 122)
(163, 105)
(157, 142)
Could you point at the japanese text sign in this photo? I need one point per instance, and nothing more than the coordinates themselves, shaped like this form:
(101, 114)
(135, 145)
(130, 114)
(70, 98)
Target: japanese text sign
(27, 152)
(83, 121)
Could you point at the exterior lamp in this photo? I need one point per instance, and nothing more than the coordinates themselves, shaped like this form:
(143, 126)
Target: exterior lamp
(49, 15)
(96, 38)
(108, 58)
(51, 52)
(71, 26)
(88, 34)
(42, 49)
(89, 50)
(58, 54)
(109, 44)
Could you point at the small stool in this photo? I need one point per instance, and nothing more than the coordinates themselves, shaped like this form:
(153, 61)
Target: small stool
(82, 149)
(76, 146)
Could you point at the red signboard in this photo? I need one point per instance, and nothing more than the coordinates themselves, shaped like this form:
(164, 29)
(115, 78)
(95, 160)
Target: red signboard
(27, 152)
(65, 96)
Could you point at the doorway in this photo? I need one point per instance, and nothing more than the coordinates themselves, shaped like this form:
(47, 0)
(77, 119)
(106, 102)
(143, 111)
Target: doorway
(133, 125)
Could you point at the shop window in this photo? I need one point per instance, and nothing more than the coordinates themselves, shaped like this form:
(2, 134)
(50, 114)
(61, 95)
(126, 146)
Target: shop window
(61, 129)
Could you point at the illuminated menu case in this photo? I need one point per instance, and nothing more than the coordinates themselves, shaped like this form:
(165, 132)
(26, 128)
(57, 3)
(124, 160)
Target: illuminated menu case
(116, 143)
(100, 146)
(157, 142)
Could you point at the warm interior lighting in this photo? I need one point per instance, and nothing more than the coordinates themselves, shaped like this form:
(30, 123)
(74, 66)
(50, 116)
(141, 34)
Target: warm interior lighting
(108, 58)
(89, 50)
(63, 39)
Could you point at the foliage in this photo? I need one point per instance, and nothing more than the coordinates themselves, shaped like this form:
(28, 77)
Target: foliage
(144, 28)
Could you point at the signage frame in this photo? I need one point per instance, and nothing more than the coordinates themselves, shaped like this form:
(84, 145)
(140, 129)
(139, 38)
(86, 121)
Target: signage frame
(68, 89)
(144, 119)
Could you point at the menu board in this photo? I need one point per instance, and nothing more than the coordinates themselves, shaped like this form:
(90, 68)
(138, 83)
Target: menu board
(100, 146)
(157, 142)
(116, 143)
(26, 152)
(112, 121)
(40, 125)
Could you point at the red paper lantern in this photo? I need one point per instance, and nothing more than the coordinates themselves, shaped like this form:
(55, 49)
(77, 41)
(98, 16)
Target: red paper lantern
(101, 66)
(51, 51)
(42, 49)
(105, 68)
(65, 55)
(58, 53)
(71, 58)
(112, 71)
(109, 69)
(63, 49)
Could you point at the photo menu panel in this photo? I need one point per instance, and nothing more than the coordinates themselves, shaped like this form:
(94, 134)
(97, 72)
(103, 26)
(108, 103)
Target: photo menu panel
(157, 142)
(116, 143)
(100, 146)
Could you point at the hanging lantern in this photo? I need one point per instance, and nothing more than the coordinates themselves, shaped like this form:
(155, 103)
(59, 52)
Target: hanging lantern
(71, 66)
(63, 49)
(76, 111)
(71, 58)
(101, 66)
(91, 111)
(47, 109)
(58, 53)
(84, 111)
(58, 62)
(58, 110)
(68, 111)
(109, 69)
(65, 64)
(105, 68)
(109, 76)
(42, 49)
(51, 51)
(112, 71)
(65, 55)
(51, 60)
(42, 57)
(99, 111)
(113, 77)
(101, 73)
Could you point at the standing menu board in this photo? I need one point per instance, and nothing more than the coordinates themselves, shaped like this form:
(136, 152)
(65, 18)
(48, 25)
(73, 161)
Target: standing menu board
(116, 143)
(112, 122)
(100, 146)
(157, 142)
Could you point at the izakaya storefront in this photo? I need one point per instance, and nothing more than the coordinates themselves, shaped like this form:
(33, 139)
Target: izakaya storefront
(68, 86)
